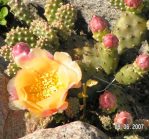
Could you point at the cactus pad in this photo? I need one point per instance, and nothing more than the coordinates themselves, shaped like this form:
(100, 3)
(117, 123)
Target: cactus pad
(5, 52)
(20, 10)
(129, 74)
(12, 69)
(118, 4)
(108, 58)
(51, 8)
(41, 29)
(20, 34)
(132, 25)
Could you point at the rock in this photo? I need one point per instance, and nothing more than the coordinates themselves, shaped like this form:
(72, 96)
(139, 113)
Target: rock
(12, 124)
(74, 130)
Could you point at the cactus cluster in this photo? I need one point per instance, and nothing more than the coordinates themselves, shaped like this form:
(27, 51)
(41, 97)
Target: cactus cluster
(61, 17)
(37, 32)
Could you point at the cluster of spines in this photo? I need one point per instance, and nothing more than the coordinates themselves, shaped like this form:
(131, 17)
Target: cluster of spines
(20, 10)
(45, 32)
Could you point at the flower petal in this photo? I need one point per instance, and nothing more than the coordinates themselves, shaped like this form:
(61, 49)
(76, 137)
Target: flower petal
(16, 105)
(12, 89)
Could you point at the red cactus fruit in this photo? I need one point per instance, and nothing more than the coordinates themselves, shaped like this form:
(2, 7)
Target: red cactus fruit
(97, 23)
(143, 61)
(133, 3)
(110, 41)
(108, 101)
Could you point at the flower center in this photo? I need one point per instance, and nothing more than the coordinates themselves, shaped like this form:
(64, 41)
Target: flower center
(43, 87)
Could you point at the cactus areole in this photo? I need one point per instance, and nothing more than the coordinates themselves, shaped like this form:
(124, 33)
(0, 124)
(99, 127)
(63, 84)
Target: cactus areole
(110, 41)
(133, 3)
(143, 61)
(97, 23)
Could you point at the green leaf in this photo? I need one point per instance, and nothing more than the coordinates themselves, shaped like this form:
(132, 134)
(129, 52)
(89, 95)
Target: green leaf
(3, 22)
(4, 12)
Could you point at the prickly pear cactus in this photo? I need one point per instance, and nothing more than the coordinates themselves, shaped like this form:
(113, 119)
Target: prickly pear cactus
(43, 30)
(20, 34)
(51, 8)
(131, 73)
(20, 10)
(134, 30)
(108, 58)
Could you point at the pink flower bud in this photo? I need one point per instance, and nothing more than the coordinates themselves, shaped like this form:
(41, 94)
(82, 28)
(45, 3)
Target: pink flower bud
(20, 52)
(110, 41)
(123, 118)
(133, 3)
(143, 61)
(97, 23)
(108, 101)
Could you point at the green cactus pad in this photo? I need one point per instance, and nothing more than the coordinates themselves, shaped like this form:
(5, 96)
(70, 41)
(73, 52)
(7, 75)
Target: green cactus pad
(129, 74)
(118, 4)
(67, 15)
(20, 10)
(99, 35)
(43, 30)
(51, 8)
(5, 52)
(12, 69)
(129, 30)
(108, 58)
(20, 34)
(123, 7)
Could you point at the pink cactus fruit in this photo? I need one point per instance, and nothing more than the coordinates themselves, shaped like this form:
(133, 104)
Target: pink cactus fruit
(143, 61)
(97, 24)
(20, 52)
(133, 3)
(110, 41)
(123, 118)
(108, 101)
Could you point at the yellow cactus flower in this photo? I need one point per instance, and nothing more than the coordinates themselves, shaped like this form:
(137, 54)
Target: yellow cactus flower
(42, 84)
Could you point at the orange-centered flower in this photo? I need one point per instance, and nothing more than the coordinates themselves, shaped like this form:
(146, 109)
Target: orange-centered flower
(42, 84)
